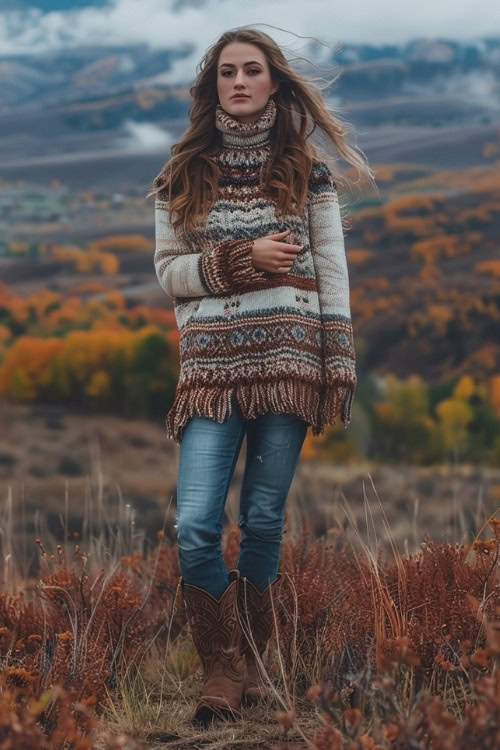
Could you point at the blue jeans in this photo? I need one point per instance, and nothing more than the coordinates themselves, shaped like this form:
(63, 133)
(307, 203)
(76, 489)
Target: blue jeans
(208, 454)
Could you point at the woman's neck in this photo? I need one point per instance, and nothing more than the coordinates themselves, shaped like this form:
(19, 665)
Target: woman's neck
(237, 133)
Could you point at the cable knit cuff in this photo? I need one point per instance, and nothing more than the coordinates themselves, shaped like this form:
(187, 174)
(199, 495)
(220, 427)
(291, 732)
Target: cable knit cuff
(228, 267)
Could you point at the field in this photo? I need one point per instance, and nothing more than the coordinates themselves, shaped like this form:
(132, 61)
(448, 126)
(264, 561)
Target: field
(387, 627)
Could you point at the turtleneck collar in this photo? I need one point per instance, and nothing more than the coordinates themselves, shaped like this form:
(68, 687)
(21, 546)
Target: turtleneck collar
(236, 133)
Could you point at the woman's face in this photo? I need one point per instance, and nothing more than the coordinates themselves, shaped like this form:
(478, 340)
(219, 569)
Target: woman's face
(243, 68)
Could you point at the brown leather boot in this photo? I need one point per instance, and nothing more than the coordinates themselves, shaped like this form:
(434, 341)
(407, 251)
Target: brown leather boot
(217, 636)
(257, 607)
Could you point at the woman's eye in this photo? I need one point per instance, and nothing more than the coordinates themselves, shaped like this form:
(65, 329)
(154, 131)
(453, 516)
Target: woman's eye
(254, 70)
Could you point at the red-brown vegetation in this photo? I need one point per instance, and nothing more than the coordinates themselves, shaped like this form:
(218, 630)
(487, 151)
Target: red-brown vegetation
(393, 653)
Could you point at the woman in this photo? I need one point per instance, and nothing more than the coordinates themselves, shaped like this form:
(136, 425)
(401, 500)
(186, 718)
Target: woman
(249, 245)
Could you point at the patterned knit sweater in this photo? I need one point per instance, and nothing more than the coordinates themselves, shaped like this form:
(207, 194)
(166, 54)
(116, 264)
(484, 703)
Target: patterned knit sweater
(283, 342)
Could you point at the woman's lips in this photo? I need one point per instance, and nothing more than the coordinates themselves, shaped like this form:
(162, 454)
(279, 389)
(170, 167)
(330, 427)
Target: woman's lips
(240, 96)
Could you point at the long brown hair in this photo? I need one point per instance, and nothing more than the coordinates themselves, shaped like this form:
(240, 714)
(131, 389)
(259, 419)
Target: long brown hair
(191, 176)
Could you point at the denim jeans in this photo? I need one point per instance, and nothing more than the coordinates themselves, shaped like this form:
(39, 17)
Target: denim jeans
(208, 454)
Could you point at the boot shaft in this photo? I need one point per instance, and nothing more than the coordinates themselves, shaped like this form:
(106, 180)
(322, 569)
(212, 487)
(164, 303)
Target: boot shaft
(256, 610)
(214, 622)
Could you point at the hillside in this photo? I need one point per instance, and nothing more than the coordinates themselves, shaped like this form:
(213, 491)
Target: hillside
(423, 265)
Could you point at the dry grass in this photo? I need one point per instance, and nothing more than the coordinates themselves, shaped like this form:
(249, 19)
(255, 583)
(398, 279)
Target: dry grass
(373, 647)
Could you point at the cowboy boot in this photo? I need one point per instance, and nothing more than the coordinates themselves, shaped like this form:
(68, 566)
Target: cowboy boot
(217, 636)
(257, 614)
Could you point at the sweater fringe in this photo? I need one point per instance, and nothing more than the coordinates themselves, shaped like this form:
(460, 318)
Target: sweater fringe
(294, 396)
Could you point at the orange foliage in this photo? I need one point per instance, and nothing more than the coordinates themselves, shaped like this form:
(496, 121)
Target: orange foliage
(5, 334)
(25, 366)
(487, 355)
(83, 359)
(162, 317)
(429, 273)
(376, 282)
(109, 263)
(414, 204)
(494, 393)
(85, 261)
(488, 266)
(88, 287)
(388, 302)
(481, 213)
(117, 299)
(431, 249)
(359, 256)
(480, 180)
(414, 226)
(441, 316)
(173, 337)
(385, 173)
(45, 312)
(117, 242)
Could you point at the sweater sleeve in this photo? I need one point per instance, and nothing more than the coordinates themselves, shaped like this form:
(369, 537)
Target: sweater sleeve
(329, 258)
(223, 269)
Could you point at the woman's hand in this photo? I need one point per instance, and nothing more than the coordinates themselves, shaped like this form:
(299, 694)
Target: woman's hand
(270, 254)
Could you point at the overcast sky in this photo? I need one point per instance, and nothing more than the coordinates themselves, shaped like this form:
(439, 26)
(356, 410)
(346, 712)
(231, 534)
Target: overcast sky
(158, 23)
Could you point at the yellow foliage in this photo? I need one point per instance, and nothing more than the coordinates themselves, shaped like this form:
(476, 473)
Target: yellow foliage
(18, 246)
(454, 415)
(385, 413)
(309, 446)
(99, 384)
(87, 351)
(465, 387)
(408, 397)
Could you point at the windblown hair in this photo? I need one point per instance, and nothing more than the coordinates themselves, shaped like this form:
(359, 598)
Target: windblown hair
(191, 176)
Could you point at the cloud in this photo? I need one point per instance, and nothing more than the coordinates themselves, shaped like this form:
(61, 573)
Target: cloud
(198, 23)
(144, 136)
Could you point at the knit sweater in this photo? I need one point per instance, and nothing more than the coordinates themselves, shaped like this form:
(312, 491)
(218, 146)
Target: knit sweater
(282, 342)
